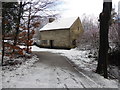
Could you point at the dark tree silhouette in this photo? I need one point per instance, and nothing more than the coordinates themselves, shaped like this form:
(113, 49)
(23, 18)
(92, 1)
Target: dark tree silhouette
(104, 19)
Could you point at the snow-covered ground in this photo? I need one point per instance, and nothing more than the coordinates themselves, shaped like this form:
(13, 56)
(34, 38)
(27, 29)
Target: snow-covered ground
(77, 57)
(80, 59)
(12, 73)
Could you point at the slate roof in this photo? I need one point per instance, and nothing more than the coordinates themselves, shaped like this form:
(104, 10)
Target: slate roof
(63, 23)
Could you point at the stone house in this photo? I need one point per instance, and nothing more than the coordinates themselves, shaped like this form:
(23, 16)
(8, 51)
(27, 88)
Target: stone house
(61, 33)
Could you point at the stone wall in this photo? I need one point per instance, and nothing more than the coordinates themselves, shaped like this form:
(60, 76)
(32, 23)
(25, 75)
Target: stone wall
(60, 38)
(75, 31)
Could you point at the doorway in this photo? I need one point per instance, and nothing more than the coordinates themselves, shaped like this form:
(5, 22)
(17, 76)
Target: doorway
(51, 43)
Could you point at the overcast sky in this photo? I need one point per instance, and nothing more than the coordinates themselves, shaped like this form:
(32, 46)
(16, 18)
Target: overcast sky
(73, 8)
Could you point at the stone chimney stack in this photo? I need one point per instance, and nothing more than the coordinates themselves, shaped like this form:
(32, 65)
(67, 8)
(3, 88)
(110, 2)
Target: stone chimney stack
(51, 20)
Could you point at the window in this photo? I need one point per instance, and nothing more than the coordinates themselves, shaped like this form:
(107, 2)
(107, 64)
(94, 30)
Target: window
(44, 41)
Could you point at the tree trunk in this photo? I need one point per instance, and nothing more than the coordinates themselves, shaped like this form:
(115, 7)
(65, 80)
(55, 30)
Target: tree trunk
(104, 44)
(3, 35)
(18, 24)
(28, 27)
(1, 31)
(0, 25)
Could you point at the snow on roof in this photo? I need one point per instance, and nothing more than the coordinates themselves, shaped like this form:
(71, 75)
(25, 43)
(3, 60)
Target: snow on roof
(62, 23)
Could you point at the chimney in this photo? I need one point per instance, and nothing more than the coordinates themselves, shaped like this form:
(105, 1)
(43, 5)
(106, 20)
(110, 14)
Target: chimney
(51, 20)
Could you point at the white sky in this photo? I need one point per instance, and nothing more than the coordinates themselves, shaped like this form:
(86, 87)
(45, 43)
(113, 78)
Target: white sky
(73, 8)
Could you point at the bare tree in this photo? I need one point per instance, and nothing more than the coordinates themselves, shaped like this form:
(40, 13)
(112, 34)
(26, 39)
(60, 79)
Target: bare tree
(18, 24)
(32, 10)
(90, 38)
(114, 36)
(22, 31)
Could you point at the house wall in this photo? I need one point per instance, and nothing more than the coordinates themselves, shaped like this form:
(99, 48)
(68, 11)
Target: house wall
(60, 38)
(64, 38)
(75, 31)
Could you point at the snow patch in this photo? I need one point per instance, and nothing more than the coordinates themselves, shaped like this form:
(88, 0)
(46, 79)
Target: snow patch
(27, 72)
(79, 58)
(12, 73)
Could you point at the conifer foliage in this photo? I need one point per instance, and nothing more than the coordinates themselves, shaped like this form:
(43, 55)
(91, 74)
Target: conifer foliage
(19, 22)
(17, 30)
